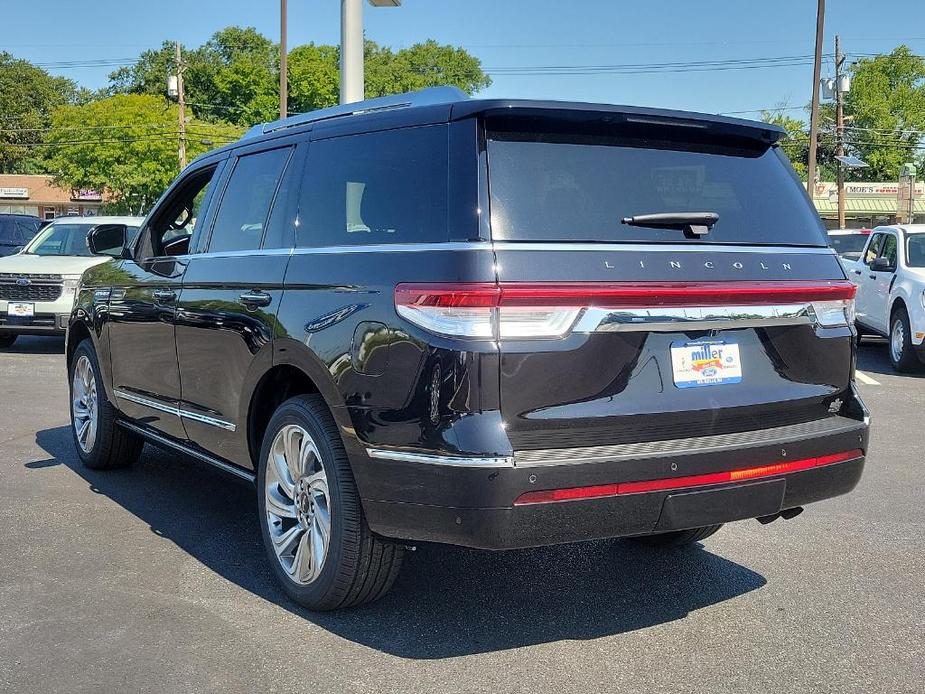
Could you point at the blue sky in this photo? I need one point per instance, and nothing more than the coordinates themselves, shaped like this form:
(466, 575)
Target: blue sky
(515, 33)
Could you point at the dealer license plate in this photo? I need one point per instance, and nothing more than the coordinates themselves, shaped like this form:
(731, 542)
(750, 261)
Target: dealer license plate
(19, 310)
(696, 364)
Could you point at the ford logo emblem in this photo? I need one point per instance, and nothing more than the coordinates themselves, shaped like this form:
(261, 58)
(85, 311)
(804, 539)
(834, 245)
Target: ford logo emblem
(23, 282)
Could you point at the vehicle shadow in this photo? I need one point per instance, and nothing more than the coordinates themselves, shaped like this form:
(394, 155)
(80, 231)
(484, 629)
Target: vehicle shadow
(31, 344)
(447, 601)
(874, 358)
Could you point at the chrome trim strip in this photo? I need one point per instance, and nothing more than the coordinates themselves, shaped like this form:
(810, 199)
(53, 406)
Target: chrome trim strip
(220, 464)
(185, 414)
(670, 319)
(397, 248)
(696, 444)
(429, 459)
(666, 248)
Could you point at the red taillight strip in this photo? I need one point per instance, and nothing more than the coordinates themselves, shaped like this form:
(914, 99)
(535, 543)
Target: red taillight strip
(742, 475)
(621, 294)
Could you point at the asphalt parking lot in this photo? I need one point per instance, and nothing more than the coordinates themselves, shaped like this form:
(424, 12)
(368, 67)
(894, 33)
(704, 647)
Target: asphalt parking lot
(153, 579)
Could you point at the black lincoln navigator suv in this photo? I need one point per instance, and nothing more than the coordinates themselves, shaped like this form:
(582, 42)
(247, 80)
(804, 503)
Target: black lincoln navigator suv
(491, 323)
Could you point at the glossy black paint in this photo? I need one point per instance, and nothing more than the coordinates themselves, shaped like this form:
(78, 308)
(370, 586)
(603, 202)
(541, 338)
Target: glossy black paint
(329, 316)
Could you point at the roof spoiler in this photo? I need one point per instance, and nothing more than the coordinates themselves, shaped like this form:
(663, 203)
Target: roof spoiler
(424, 97)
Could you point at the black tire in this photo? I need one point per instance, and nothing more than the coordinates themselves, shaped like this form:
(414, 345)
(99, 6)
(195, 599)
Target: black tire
(858, 334)
(903, 359)
(359, 567)
(7, 340)
(677, 538)
(114, 447)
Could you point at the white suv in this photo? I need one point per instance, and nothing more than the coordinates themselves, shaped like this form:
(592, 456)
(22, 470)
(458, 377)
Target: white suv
(890, 275)
(37, 284)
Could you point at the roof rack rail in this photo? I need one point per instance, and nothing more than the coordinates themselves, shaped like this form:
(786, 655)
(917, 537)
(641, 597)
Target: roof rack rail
(424, 97)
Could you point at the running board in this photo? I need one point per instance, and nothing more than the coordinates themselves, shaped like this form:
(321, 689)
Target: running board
(154, 437)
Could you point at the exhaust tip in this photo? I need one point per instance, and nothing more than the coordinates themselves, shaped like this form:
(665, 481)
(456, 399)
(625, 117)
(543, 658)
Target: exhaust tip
(791, 513)
(764, 520)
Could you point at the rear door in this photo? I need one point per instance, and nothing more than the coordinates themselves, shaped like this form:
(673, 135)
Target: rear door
(226, 319)
(620, 332)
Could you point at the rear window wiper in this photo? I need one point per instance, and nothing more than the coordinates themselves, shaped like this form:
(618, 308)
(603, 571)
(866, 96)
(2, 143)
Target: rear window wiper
(693, 224)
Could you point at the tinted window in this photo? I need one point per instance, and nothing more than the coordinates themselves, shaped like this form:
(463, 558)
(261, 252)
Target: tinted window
(848, 243)
(387, 187)
(7, 231)
(564, 187)
(246, 202)
(915, 250)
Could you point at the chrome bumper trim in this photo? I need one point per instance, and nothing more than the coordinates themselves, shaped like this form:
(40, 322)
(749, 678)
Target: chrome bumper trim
(688, 446)
(672, 319)
(430, 459)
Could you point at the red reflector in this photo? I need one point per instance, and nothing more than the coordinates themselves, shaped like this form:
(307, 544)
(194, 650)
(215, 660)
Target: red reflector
(601, 490)
(620, 294)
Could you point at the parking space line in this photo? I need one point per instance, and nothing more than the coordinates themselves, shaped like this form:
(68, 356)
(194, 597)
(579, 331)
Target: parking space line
(864, 378)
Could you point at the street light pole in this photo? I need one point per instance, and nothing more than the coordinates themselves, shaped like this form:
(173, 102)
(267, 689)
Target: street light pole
(351, 51)
(352, 85)
(840, 131)
(283, 63)
(814, 113)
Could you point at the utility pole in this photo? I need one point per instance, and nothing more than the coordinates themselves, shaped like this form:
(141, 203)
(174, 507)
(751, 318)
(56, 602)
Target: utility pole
(181, 102)
(814, 113)
(283, 63)
(840, 131)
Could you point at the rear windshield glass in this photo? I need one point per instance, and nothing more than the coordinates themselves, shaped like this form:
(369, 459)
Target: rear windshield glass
(848, 243)
(551, 188)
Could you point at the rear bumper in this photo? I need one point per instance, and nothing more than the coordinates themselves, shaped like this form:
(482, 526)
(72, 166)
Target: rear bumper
(473, 506)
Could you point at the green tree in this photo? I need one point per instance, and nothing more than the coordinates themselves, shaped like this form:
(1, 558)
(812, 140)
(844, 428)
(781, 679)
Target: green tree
(796, 143)
(125, 145)
(28, 95)
(234, 76)
(886, 111)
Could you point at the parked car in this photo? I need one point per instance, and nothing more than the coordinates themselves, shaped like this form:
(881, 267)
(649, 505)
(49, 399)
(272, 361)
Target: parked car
(848, 243)
(16, 230)
(890, 276)
(490, 323)
(37, 284)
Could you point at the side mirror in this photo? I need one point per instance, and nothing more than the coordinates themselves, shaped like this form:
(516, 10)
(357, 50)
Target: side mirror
(882, 264)
(107, 239)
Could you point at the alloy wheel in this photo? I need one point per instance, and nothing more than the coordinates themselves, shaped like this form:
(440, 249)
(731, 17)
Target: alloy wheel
(298, 509)
(84, 404)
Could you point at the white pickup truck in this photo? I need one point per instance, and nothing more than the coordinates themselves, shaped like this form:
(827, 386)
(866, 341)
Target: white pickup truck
(890, 276)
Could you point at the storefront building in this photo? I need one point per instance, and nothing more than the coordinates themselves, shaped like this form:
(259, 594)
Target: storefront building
(37, 195)
(867, 205)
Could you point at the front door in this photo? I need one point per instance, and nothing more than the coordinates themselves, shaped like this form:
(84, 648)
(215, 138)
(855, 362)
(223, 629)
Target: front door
(226, 319)
(143, 304)
(864, 278)
(881, 285)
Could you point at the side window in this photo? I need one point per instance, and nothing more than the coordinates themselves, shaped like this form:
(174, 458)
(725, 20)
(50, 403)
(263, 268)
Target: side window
(171, 228)
(873, 248)
(242, 214)
(888, 250)
(384, 187)
(27, 230)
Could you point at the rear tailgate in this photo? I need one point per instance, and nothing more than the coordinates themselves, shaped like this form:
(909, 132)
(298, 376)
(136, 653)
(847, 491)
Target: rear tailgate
(652, 333)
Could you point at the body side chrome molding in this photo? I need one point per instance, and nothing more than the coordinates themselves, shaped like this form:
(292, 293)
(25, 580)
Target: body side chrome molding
(697, 444)
(431, 459)
(176, 445)
(184, 414)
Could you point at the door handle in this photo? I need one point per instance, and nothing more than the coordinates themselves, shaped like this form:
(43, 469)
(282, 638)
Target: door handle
(856, 272)
(165, 296)
(255, 299)
(873, 277)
